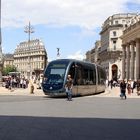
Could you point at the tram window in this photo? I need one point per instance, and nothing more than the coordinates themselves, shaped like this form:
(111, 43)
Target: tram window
(72, 71)
(101, 76)
(79, 77)
(88, 77)
(85, 75)
(92, 78)
(58, 71)
(79, 74)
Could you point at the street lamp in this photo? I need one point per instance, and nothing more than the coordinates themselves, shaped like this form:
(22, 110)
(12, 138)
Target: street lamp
(29, 30)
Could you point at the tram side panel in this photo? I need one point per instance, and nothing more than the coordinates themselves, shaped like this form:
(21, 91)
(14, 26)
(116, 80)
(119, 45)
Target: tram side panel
(86, 90)
(85, 79)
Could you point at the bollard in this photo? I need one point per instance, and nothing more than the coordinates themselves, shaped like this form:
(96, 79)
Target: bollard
(32, 89)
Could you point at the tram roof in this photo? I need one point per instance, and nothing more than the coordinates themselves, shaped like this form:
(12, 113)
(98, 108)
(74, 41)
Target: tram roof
(74, 60)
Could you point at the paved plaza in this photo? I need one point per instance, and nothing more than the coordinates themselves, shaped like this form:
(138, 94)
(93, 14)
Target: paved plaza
(21, 91)
(114, 92)
(25, 116)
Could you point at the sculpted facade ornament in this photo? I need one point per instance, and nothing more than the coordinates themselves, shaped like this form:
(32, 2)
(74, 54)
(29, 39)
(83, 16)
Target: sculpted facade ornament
(133, 20)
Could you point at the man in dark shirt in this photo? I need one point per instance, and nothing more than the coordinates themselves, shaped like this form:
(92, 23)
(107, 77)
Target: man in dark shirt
(123, 89)
(68, 86)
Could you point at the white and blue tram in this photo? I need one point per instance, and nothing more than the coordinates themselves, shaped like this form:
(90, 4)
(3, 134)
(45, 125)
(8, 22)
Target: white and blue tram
(88, 78)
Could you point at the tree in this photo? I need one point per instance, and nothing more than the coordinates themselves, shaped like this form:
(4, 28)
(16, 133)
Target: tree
(8, 69)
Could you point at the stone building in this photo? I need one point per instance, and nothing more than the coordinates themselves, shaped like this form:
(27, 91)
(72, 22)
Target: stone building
(8, 60)
(110, 54)
(30, 58)
(93, 54)
(88, 56)
(131, 50)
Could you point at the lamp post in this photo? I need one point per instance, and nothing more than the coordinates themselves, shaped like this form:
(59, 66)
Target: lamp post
(29, 30)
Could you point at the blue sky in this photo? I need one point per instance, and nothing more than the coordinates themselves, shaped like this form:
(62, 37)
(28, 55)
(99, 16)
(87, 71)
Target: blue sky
(73, 26)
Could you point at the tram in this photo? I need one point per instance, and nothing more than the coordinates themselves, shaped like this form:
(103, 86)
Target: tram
(88, 78)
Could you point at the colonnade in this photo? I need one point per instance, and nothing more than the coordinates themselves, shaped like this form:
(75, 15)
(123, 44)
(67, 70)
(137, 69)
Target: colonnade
(131, 60)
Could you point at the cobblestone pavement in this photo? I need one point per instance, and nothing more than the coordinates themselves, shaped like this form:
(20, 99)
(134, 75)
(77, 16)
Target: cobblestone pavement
(114, 92)
(21, 91)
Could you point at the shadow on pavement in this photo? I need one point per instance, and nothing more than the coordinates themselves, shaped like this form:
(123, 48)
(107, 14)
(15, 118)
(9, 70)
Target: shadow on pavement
(55, 128)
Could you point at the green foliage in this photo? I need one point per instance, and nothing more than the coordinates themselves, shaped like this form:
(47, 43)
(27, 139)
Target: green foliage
(8, 69)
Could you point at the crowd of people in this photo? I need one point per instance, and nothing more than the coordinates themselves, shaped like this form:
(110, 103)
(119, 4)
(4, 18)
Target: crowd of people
(15, 82)
(125, 86)
(12, 82)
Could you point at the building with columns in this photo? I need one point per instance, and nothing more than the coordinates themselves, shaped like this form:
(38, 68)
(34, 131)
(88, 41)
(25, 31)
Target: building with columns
(30, 58)
(110, 54)
(131, 50)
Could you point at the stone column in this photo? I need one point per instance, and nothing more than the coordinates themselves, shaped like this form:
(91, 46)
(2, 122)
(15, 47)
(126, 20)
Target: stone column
(132, 62)
(123, 61)
(128, 61)
(135, 63)
(137, 59)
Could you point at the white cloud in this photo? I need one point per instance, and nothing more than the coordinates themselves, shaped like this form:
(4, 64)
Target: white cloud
(84, 13)
(78, 55)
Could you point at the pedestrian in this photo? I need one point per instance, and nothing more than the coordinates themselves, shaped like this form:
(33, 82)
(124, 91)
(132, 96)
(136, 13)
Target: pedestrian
(68, 87)
(138, 87)
(123, 89)
(106, 83)
(111, 83)
(133, 85)
(129, 87)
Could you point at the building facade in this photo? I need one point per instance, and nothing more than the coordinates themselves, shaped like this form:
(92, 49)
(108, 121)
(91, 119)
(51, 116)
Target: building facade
(30, 58)
(8, 60)
(110, 54)
(131, 50)
(93, 54)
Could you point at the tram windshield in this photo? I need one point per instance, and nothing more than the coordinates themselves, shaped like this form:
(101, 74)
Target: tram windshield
(55, 72)
(56, 76)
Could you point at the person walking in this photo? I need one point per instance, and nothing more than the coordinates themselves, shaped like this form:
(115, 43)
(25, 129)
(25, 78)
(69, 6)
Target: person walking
(138, 87)
(129, 87)
(123, 89)
(111, 83)
(68, 87)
